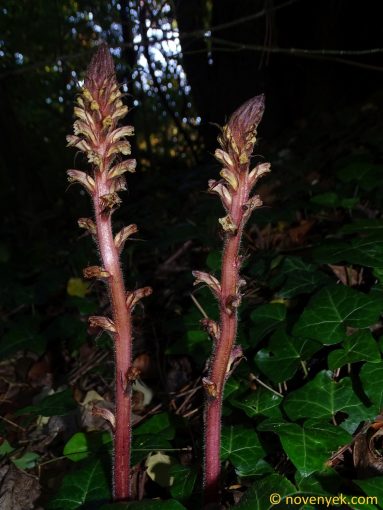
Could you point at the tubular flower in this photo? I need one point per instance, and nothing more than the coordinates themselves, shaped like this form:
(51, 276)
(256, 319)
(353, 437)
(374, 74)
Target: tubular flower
(98, 111)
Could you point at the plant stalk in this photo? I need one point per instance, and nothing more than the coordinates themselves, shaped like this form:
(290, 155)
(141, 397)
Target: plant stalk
(123, 348)
(96, 133)
(237, 143)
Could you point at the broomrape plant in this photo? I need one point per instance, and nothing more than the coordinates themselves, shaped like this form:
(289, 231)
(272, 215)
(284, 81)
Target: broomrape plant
(237, 142)
(96, 133)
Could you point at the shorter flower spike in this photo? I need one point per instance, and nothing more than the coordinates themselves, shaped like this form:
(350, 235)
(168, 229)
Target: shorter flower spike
(210, 387)
(81, 177)
(87, 224)
(132, 298)
(96, 272)
(228, 225)
(102, 322)
(210, 280)
(212, 328)
(123, 234)
(106, 414)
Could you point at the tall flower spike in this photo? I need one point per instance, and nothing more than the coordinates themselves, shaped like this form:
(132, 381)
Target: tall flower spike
(97, 134)
(237, 143)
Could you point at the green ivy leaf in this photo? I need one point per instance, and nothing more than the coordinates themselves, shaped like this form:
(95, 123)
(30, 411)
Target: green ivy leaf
(322, 397)
(361, 346)
(261, 402)
(371, 375)
(257, 497)
(27, 461)
(241, 446)
(184, 481)
(365, 251)
(308, 446)
(331, 199)
(58, 404)
(334, 308)
(266, 318)
(297, 277)
(284, 355)
(81, 444)
(87, 484)
(326, 482)
(159, 423)
(372, 487)
(5, 448)
(366, 174)
(363, 226)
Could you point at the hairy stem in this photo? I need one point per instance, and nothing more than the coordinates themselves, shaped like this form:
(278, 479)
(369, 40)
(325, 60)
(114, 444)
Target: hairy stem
(224, 346)
(237, 143)
(96, 133)
(123, 347)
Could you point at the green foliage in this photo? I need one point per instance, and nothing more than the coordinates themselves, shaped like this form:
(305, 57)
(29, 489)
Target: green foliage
(88, 484)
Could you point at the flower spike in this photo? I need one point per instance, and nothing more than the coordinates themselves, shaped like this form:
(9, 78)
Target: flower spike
(96, 133)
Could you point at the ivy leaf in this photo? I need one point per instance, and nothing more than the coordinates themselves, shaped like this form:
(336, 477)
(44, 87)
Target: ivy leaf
(361, 346)
(258, 403)
(27, 461)
(58, 404)
(297, 277)
(241, 446)
(322, 397)
(184, 481)
(371, 375)
(81, 444)
(257, 497)
(334, 308)
(366, 174)
(266, 318)
(308, 446)
(363, 227)
(284, 355)
(159, 423)
(372, 487)
(365, 251)
(87, 484)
